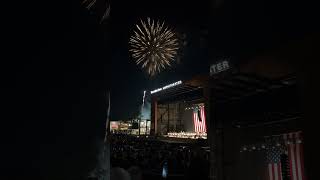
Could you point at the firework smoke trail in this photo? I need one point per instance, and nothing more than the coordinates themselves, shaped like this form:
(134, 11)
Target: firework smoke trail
(102, 171)
(85, 1)
(106, 147)
(153, 45)
(108, 118)
(91, 3)
(106, 13)
(143, 98)
(144, 95)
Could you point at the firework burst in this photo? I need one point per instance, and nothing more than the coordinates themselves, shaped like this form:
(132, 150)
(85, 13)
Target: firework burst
(153, 46)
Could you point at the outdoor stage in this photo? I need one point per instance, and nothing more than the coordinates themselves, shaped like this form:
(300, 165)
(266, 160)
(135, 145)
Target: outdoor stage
(178, 111)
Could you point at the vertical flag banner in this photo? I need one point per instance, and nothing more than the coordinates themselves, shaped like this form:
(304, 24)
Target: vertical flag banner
(199, 120)
(295, 155)
(274, 163)
(290, 146)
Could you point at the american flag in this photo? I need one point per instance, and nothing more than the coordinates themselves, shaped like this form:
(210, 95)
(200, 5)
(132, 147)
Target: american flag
(274, 163)
(295, 154)
(290, 145)
(199, 120)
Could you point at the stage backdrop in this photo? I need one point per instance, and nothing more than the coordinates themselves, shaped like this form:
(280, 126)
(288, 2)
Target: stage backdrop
(187, 119)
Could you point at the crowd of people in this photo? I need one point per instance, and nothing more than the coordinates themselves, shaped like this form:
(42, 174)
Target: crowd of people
(152, 156)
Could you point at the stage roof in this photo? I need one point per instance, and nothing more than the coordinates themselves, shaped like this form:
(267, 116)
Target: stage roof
(229, 87)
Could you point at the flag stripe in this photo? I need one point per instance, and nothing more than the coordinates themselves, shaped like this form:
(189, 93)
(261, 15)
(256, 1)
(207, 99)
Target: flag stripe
(270, 172)
(204, 120)
(280, 171)
(197, 119)
(293, 161)
(276, 174)
(302, 161)
(298, 162)
(295, 155)
(194, 122)
(287, 137)
(197, 124)
(195, 116)
(201, 123)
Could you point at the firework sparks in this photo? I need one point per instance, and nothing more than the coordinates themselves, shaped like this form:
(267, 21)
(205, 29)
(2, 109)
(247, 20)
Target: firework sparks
(92, 5)
(153, 46)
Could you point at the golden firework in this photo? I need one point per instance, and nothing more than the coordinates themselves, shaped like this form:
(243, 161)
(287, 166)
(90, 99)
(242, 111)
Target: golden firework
(153, 45)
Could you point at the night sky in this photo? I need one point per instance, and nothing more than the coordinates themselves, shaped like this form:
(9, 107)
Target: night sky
(49, 40)
(129, 80)
(237, 29)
